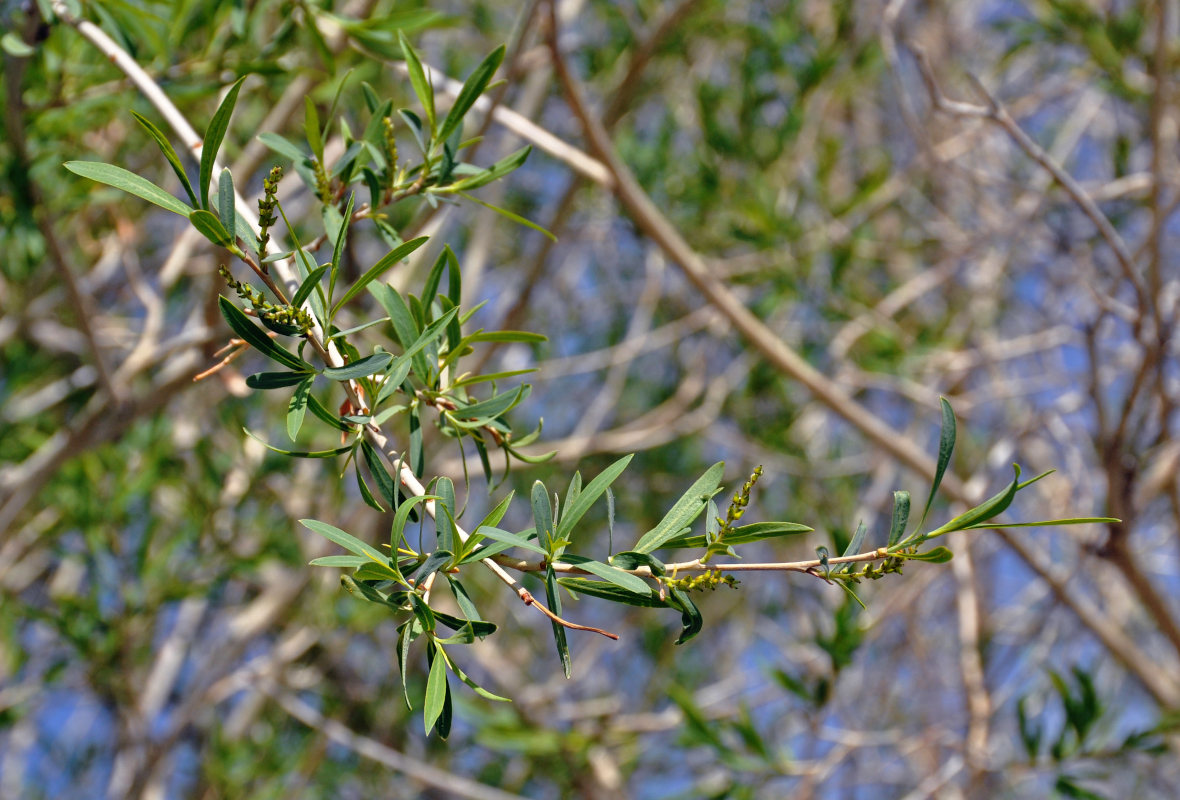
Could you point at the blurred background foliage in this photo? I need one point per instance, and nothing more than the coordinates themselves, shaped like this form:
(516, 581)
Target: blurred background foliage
(160, 634)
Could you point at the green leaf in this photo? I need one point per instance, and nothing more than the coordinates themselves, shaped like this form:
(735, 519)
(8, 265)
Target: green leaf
(519, 220)
(326, 416)
(209, 226)
(470, 612)
(385, 483)
(543, 516)
(475, 687)
(345, 540)
(340, 561)
(214, 135)
(366, 492)
(397, 532)
(399, 314)
(298, 406)
(857, 540)
(939, 555)
(512, 539)
(401, 365)
(341, 237)
(690, 615)
(1044, 523)
(686, 510)
(406, 634)
(433, 563)
(444, 522)
(901, 516)
(946, 445)
(492, 519)
(473, 87)
(336, 451)
(418, 80)
(495, 406)
(436, 691)
(225, 204)
(308, 286)
(613, 593)
(253, 335)
(128, 182)
(624, 580)
(282, 146)
(378, 269)
(629, 559)
(15, 46)
(986, 510)
(473, 628)
(276, 380)
(359, 369)
(744, 534)
(311, 128)
(169, 153)
(577, 508)
(554, 601)
(498, 170)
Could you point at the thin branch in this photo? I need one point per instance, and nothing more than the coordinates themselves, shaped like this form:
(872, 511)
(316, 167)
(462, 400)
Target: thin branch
(373, 750)
(995, 112)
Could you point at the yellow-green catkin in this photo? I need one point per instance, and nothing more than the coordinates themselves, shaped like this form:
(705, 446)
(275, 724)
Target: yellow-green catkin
(390, 151)
(278, 314)
(266, 210)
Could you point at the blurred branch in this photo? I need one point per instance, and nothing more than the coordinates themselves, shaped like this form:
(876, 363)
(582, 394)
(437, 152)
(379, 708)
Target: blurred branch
(995, 112)
(375, 751)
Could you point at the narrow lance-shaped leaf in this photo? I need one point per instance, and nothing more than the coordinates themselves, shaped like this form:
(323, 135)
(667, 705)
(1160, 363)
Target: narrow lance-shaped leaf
(253, 335)
(335, 451)
(385, 483)
(214, 135)
(986, 510)
(398, 531)
(473, 87)
(577, 507)
(436, 691)
(519, 220)
(687, 509)
(901, 516)
(624, 580)
(297, 408)
(345, 540)
(495, 171)
(338, 248)
(311, 127)
(857, 540)
(209, 226)
(946, 446)
(128, 182)
(169, 153)
(554, 601)
(225, 204)
(1045, 523)
(418, 80)
(308, 286)
(359, 369)
(276, 380)
(444, 522)
(542, 516)
(745, 534)
(378, 269)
